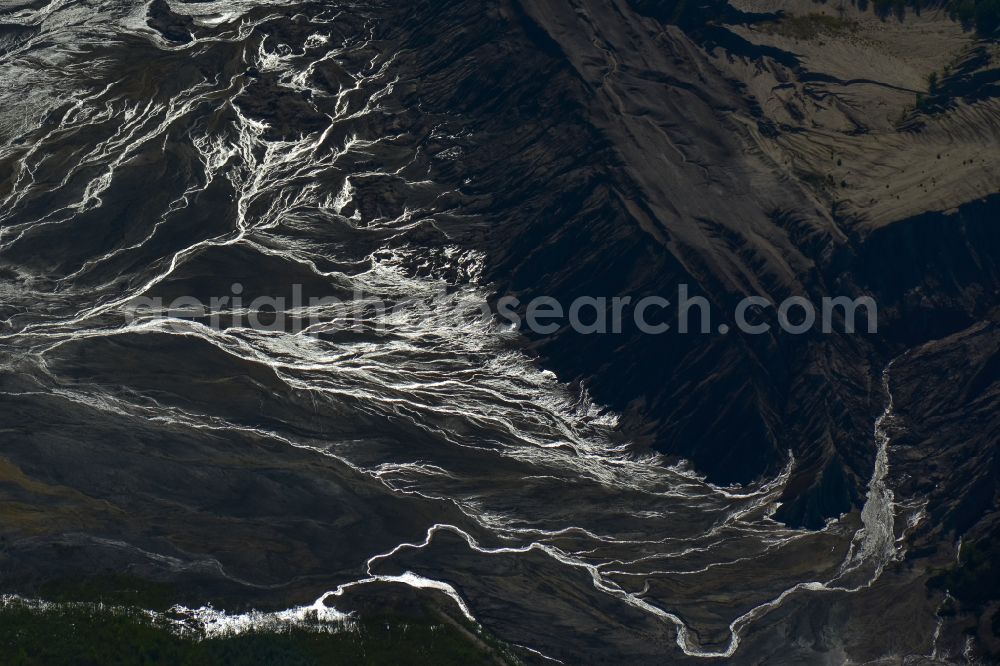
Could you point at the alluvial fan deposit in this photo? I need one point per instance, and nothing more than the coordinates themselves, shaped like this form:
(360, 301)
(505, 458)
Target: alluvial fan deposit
(627, 498)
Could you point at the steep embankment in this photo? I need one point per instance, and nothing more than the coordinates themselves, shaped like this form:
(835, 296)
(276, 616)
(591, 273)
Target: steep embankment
(640, 178)
(753, 164)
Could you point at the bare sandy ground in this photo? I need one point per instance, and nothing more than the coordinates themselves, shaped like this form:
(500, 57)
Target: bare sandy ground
(855, 132)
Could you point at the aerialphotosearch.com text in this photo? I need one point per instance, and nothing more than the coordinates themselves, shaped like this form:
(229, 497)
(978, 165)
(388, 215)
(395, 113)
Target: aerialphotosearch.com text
(682, 313)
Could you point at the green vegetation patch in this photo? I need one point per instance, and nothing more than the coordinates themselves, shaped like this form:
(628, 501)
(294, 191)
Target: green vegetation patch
(77, 631)
(95, 635)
